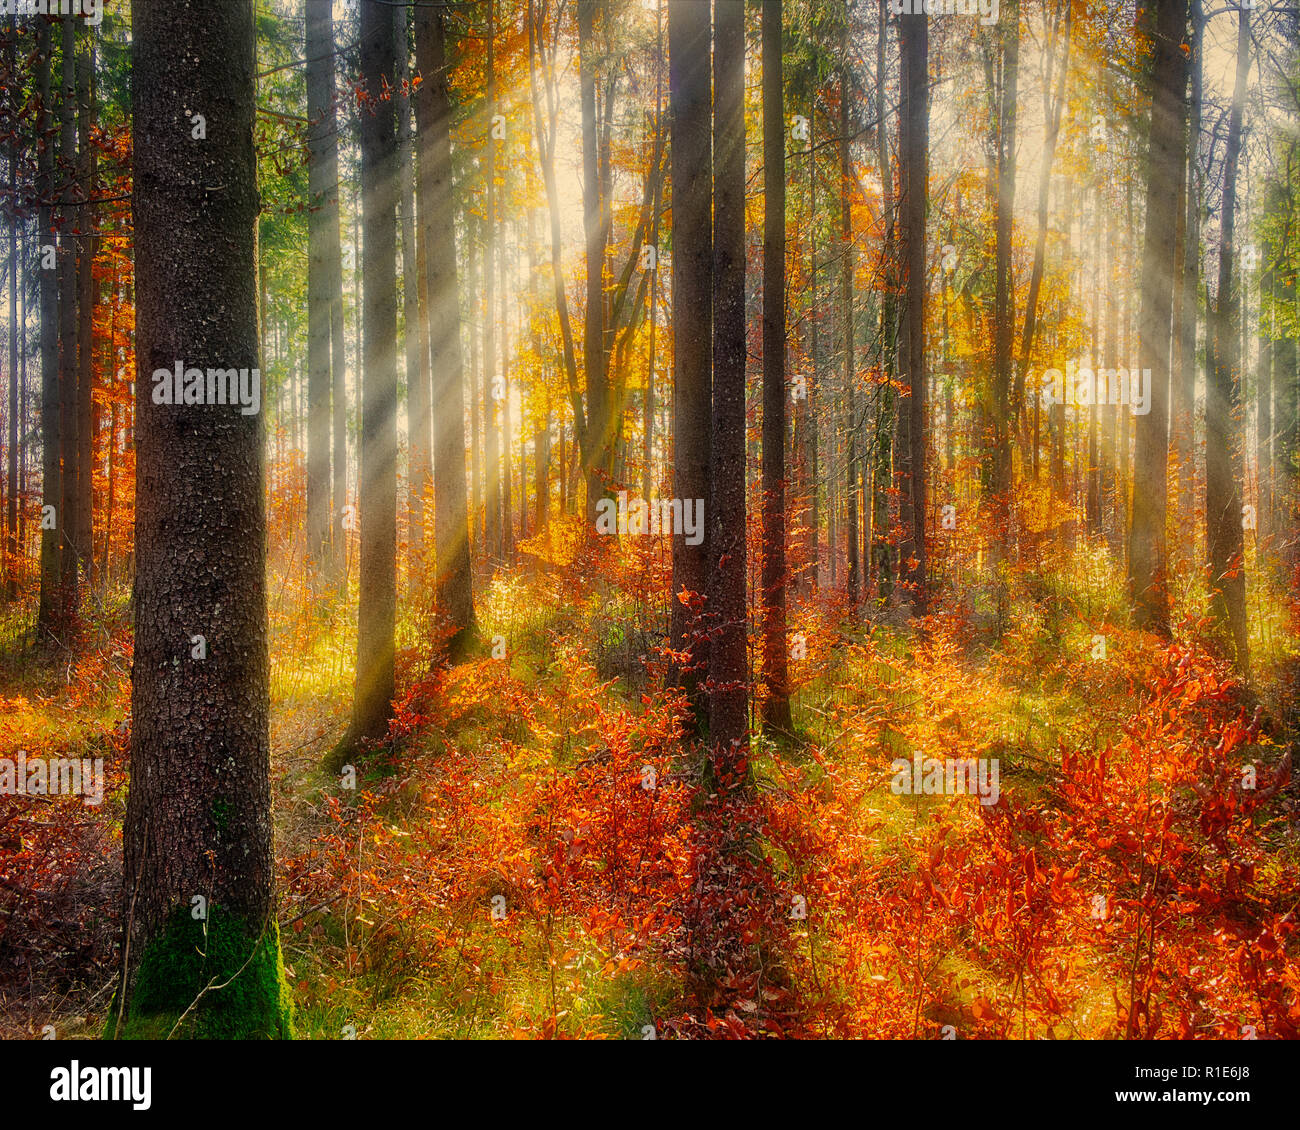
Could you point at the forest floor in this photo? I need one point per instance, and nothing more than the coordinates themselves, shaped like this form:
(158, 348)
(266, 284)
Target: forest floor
(535, 852)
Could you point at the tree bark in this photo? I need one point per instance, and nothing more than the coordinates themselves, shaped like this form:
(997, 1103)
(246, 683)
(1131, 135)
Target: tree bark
(198, 899)
(692, 269)
(914, 117)
(1148, 552)
(728, 657)
(376, 612)
(453, 587)
(776, 706)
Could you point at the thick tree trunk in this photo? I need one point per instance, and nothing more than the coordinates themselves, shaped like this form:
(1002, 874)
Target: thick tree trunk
(1148, 552)
(376, 612)
(453, 588)
(728, 657)
(692, 268)
(776, 706)
(197, 897)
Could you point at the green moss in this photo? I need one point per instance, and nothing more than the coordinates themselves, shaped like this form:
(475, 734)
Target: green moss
(221, 809)
(252, 1002)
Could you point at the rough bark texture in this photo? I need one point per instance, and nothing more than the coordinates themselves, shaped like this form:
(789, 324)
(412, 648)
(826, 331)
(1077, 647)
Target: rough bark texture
(776, 706)
(376, 613)
(198, 819)
(453, 592)
(1148, 553)
(692, 267)
(728, 659)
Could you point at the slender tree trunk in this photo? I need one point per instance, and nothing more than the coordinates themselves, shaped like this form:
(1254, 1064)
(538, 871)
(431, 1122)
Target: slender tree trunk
(417, 358)
(776, 706)
(86, 299)
(69, 431)
(1004, 300)
(319, 47)
(11, 511)
(49, 626)
(453, 590)
(599, 446)
(198, 898)
(882, 445)
(914, 117)
(854, 578)
(491, 373)
(1183, 377)
(1223, 529)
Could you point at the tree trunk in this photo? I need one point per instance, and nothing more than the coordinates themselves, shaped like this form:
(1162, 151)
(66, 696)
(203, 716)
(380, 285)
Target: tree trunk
(1148, 553)
(86, 292)
(376, 612)
(69, 430)
(728, 657)
(11, 509)
(198, 899)
(1223, 529)
(491, 374)
(1183, 377)
(49, 626)
(453, 589)
(417, 358)
(692, 268)
(854, 579)
(1004, 298)
(598, 449)
(776, 706)
(319, 46)
(914, 117)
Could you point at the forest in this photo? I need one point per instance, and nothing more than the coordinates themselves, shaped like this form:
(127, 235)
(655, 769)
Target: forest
(649, 519)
